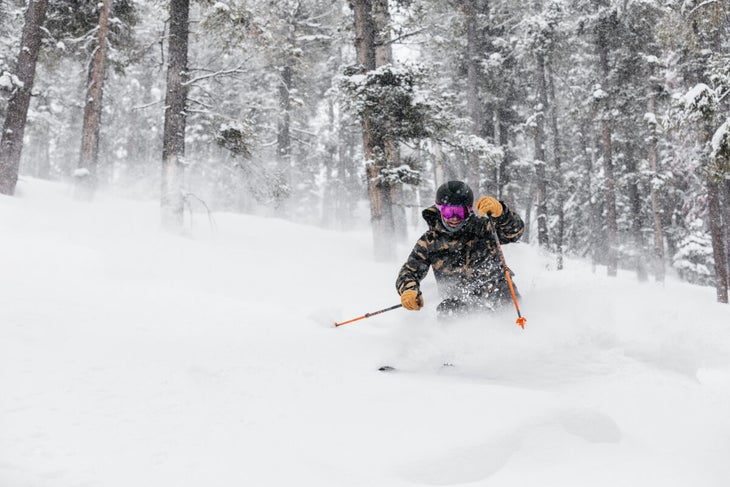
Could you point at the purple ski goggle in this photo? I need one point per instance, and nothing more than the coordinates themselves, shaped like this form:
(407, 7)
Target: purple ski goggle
(449, 211)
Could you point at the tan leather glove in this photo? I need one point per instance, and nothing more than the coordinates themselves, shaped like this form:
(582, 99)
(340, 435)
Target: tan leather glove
(487, 204)
(411, 299)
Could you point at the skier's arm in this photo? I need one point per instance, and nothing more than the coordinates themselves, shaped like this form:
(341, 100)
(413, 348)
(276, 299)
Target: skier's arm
(510, 226)
(415, 268)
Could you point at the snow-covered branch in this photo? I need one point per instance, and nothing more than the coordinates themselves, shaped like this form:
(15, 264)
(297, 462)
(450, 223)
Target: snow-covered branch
(225, 72)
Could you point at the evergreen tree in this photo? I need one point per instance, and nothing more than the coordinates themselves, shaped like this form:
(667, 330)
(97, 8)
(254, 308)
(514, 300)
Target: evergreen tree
(176, 99)
(11, 143)
(88, 159)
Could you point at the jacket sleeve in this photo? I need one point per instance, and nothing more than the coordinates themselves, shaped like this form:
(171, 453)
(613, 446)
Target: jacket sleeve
(415, 268)
(510, 226)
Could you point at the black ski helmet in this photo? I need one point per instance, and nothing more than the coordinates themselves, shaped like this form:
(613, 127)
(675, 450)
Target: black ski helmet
(454, 193)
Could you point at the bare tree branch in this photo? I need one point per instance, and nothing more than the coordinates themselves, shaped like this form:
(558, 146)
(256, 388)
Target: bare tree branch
(225, 72)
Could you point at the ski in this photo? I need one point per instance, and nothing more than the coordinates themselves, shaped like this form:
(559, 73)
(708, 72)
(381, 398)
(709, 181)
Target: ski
(390, 368)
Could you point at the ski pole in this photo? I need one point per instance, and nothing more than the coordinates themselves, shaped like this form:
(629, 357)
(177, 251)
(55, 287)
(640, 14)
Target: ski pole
(368, 315)
(521, 320)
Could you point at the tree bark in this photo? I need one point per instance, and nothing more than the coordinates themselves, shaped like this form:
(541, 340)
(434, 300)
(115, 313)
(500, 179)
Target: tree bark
(11, 143)
(610, 197)
(557, 164)
(391, 149)
(607, 140)
(590, 141)
(173, 139)
(381, 215)
(540, 154)
(727, 225)
(637, 222)
(283, 129)
(381, 25)
(364, 33)
(469, 9)
(438, 163)
(717, 234)
(86, 175)
(658, 253)
(43, 165)
(283, 135)
(495, 183)
(531, 196)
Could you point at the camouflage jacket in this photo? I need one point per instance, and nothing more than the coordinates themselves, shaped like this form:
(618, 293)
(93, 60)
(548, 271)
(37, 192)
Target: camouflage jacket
(466, 262)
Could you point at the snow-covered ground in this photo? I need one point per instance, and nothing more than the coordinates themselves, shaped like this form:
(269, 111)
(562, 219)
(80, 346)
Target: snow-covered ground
(129, 357)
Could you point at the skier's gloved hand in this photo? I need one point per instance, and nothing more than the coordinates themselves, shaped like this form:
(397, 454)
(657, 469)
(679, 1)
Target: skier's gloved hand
(487, 204)
(411, 299)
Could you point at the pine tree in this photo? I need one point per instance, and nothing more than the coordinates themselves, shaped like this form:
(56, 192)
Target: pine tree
(11, 143)
(381, 214)
(88, 159)
(173, 145)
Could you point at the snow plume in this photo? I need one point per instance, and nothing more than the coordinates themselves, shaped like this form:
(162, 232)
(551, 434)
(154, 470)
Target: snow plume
(134, 358)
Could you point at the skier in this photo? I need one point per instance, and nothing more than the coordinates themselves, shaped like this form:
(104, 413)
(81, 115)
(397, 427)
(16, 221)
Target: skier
(460, 247)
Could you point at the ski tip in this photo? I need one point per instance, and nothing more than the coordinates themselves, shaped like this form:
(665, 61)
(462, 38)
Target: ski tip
(386, 368)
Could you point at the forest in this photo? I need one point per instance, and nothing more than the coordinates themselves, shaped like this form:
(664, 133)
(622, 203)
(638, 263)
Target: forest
(604, 123)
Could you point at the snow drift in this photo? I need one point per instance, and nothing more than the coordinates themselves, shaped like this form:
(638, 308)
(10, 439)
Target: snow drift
(132, 357)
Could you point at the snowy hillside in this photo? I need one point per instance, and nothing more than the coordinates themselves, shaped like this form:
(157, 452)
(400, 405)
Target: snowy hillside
(129, 357)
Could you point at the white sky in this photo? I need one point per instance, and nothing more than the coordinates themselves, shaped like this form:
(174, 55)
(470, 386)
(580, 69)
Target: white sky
(129, 357)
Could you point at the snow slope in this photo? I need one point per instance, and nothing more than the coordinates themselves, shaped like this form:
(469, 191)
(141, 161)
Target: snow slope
(129, 357)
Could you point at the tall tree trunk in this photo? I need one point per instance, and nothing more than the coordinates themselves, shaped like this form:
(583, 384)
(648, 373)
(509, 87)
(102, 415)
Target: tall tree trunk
(86, 173)
(173, 139)
(540, 153)
(332, 205)
(349, 166)
(11, 143)
(595, 237)
(391, 149)
(469, 9)
(658, 251)
(531, 196)
(43, 166)
(283, 134)
(495, 184)
(438, 164)
(381, 214)
(607, 140)
(610, 197)
(717, 233)
(726, 216)
(364, 33)
(381, 24)
(636, 215)
(557, 164)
